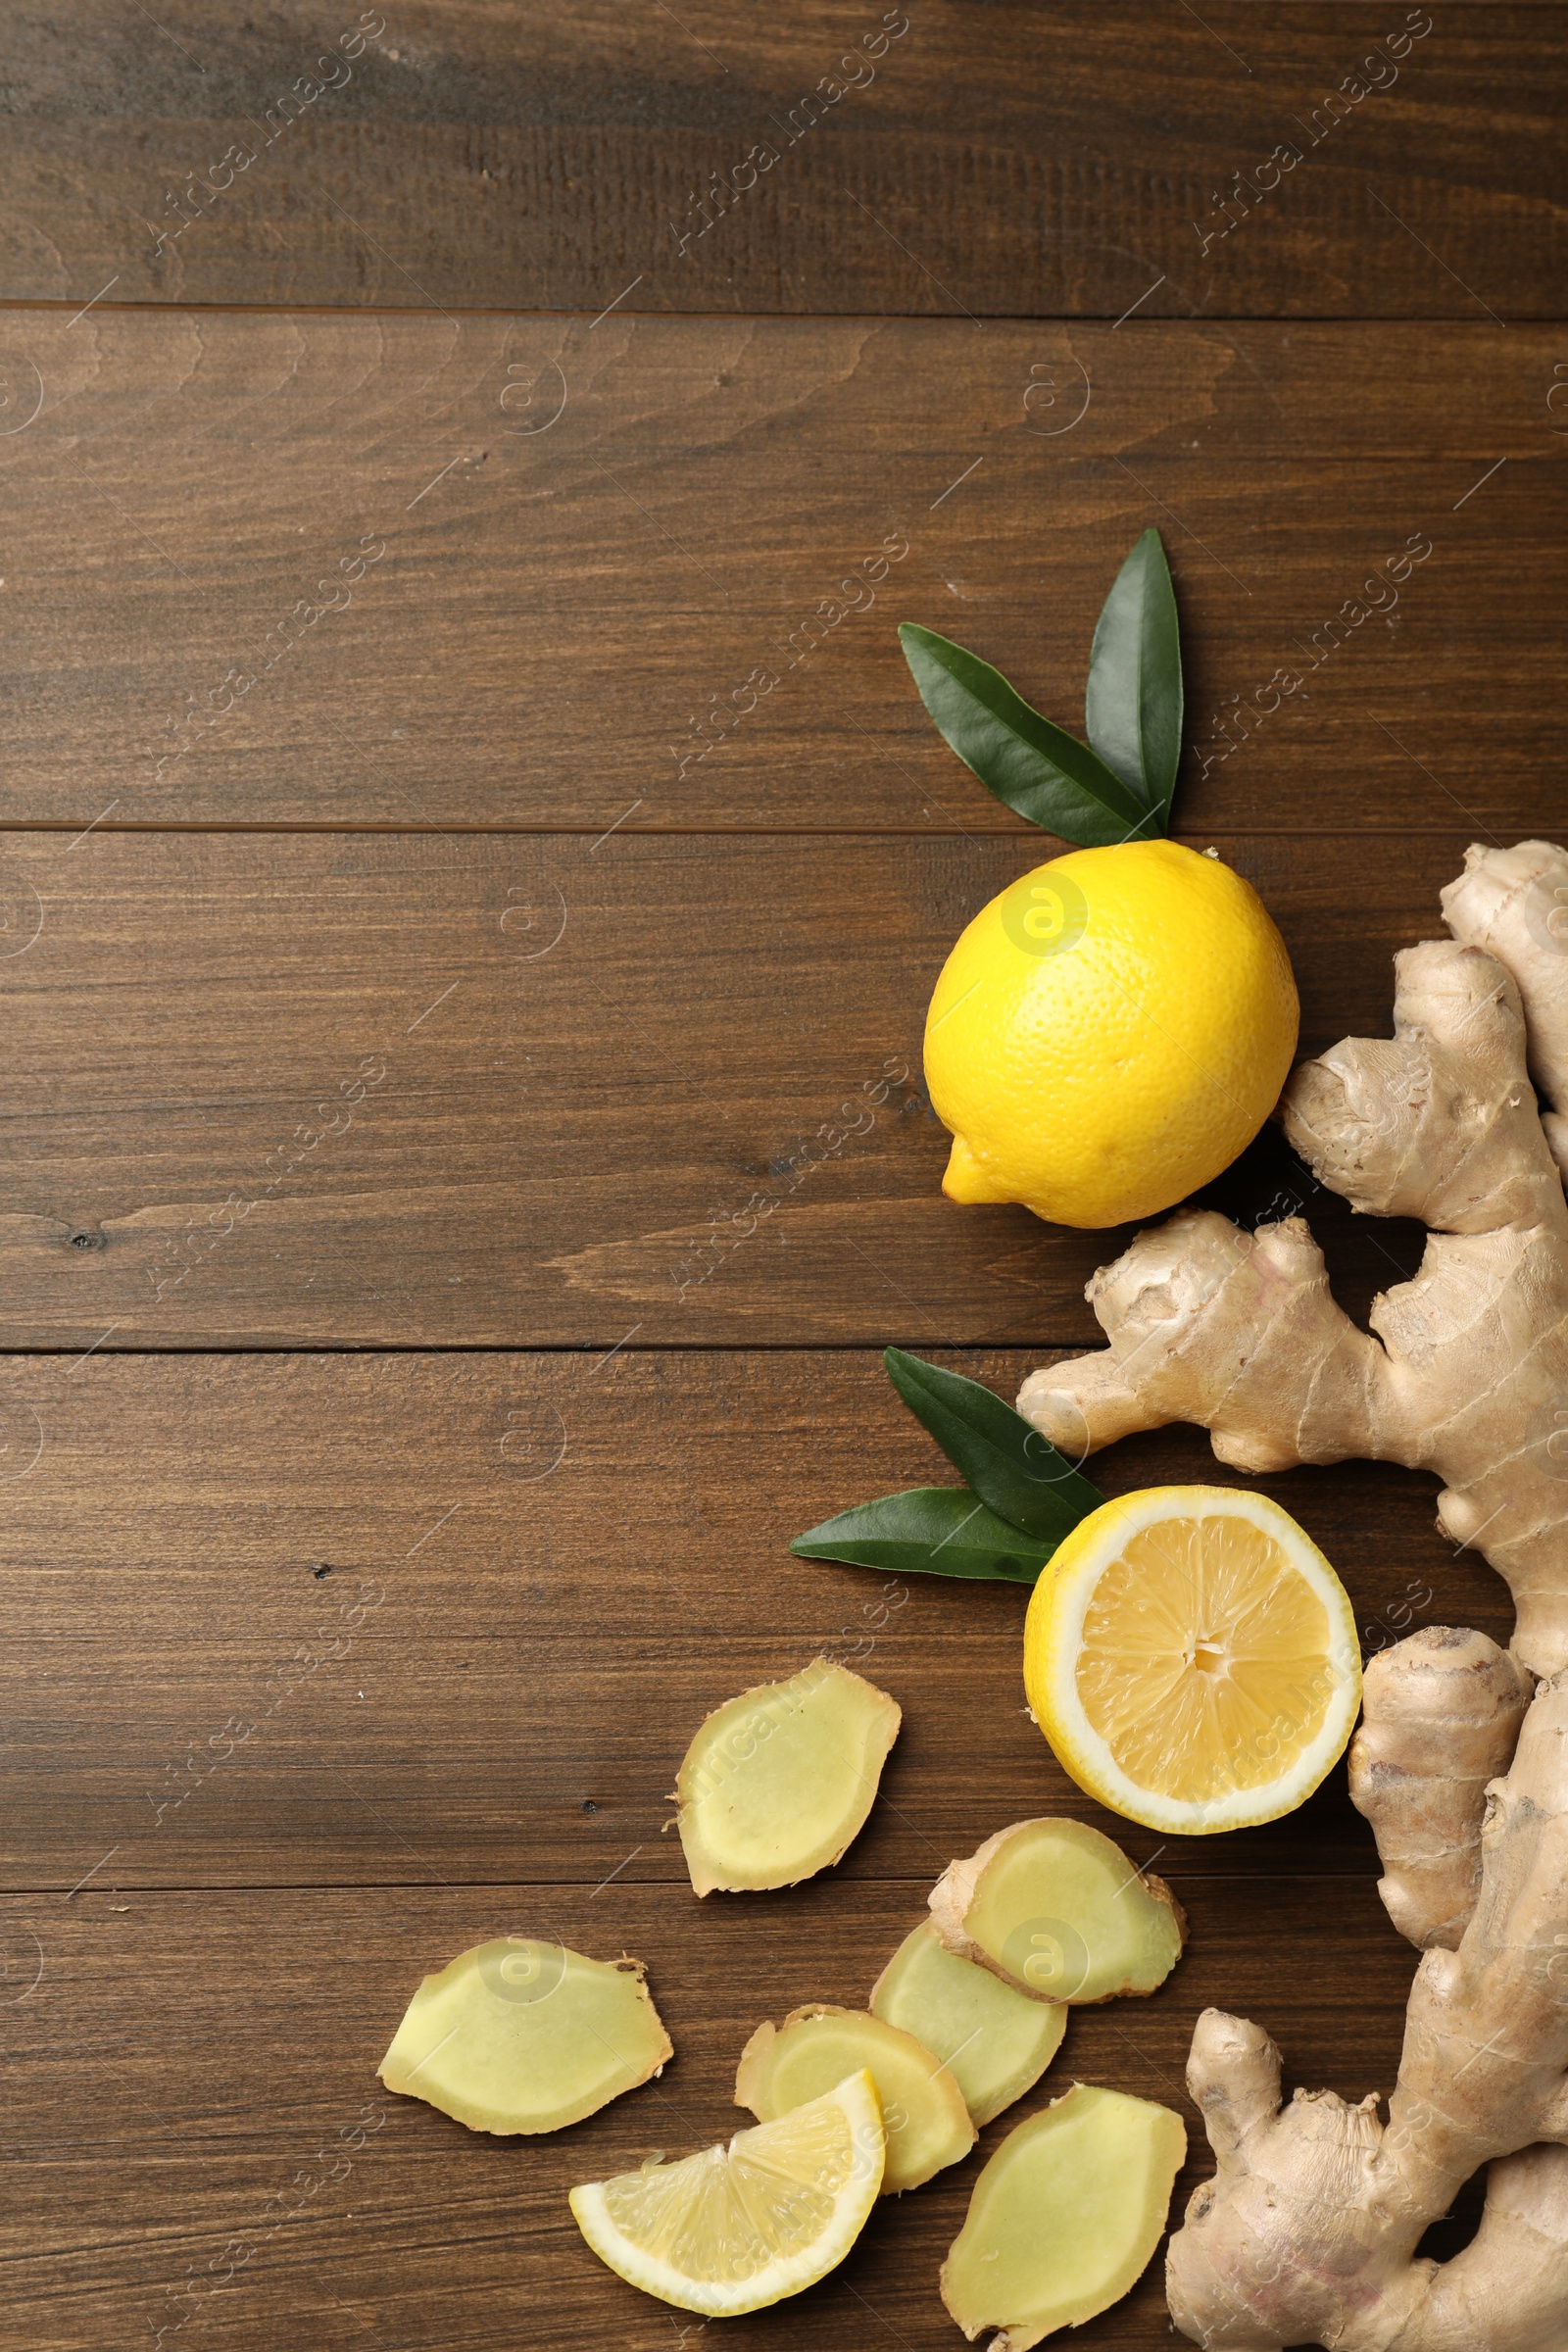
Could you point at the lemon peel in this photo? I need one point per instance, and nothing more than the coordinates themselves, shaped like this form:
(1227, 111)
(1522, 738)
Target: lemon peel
(1109, 1033)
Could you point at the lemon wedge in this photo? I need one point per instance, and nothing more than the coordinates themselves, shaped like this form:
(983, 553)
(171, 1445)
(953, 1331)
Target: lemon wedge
(1193, 1659)
(734, 2229)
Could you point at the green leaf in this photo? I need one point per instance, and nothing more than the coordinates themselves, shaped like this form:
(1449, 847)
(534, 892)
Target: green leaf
(931, 1531)
(1014, 1470)
(1040, 771)
(1133, 706)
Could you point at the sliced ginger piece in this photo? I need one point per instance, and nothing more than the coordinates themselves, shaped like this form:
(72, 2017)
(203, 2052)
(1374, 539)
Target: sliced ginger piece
(778, 1781)
(927, 2123)
(735, 2229)
(1058, 1910)
(1064, 2218)
(522, 2035)
(994, 2040)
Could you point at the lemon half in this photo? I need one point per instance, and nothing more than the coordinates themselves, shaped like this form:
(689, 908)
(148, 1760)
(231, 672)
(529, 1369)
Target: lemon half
(733, 2229)
(1109, 1033)
(1193, 1658)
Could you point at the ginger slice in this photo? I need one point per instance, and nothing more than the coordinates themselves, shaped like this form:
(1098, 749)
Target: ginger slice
(778, 1781)
(994, 2040)
(522, 2035)
(1058, 1910)
(923, 2111)
(1064, 2218)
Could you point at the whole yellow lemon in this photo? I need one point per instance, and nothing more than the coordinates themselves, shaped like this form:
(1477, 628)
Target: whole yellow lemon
(1109, 1033)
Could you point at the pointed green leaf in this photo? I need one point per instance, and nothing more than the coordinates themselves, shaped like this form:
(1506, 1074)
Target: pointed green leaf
(1040, 771)
(931, 1531)
(1133, 706)
(1014, 1469)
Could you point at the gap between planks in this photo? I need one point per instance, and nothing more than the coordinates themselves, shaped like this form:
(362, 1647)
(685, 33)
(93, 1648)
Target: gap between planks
(591, 1347)
(208, 1888)
(1371, 323)
(437, 830)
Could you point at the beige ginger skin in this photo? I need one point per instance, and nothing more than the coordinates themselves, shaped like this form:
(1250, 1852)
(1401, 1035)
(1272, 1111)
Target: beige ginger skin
(1307, 2233)
(1441, 1719)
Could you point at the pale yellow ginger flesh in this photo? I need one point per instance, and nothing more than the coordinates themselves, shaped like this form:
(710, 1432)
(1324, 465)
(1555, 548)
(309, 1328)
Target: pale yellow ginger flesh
(1441, 1717)
(923, 2112)
(735, 2229)
(1064, 2218)
(1055, 1910)
(524, 2034)
(995, 2040)
(778, 1781)
(1465, 1372)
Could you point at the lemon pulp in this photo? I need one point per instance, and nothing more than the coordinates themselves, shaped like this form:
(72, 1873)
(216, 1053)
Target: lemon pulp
(719, 2216)
(1202, 1664)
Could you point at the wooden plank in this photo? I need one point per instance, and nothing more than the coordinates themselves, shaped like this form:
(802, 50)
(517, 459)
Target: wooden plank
(645, 573)
(499, 1090)
(404, 1620)
(1002, 161)
(181, 2060)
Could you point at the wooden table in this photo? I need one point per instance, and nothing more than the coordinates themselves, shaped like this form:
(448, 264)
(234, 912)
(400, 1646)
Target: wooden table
(425, 939)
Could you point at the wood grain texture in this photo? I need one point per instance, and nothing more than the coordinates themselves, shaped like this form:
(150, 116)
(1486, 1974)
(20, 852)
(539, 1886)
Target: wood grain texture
(181, 2060)
(1012, 160)
(541, 1571)
(405, 1091)
(638, 573)
(468, 1004)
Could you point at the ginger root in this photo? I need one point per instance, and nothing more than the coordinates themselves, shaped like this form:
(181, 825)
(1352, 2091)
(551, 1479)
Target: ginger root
(1441, 1719)
(1467, 1374)
(524, 2035)
(927, 2123)
(1307, 2233)
(995, 2040)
